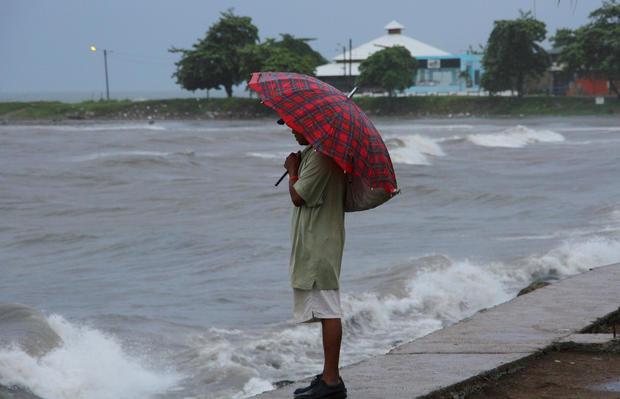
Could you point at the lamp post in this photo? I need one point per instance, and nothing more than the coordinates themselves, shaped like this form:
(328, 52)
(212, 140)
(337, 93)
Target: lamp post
(105, 63)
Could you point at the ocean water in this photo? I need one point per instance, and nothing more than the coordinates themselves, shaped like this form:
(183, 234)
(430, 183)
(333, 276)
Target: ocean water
(159, 253)
(96, 95)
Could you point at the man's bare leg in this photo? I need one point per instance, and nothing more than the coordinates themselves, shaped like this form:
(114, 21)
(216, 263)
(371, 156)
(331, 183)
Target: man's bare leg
(332, 337)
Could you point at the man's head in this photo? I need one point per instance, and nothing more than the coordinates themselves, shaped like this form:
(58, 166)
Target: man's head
(300, 138)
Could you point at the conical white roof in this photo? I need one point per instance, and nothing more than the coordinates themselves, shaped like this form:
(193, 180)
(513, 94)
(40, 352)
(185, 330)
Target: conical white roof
(393, 25)
(415, 47)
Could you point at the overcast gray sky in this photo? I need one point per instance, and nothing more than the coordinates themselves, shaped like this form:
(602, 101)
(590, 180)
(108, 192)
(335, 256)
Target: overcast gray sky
(44, 44)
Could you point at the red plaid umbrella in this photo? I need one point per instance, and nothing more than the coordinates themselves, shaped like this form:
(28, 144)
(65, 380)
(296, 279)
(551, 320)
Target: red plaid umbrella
(332, 123)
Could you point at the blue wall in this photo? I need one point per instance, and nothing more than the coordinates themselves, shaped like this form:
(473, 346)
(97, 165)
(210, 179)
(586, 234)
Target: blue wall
(445, 80)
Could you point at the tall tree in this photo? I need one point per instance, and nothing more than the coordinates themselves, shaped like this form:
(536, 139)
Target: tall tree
(392, 68)
(593, 49)
(301, 47)
(513, 55)
(289, 54)
(214, 61)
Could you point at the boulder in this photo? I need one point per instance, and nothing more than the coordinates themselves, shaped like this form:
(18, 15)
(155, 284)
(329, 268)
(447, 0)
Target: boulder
(534, 286)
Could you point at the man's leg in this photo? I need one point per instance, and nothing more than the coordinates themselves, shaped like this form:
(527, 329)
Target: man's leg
(332, 337)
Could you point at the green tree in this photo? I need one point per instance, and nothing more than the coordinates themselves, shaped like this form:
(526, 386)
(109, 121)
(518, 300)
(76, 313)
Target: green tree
(283, 59)
(472, 50)
(512, 54)
(289, 54)
(301, 47)
(593, 49)
(392, 68)
(214, 61)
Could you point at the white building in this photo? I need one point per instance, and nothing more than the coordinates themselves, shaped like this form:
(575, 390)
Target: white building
(394, 37)
(438, 70)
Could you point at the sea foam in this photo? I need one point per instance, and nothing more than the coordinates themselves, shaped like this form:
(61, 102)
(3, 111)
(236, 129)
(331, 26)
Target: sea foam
(88, 365)
(515, 137)
(89, 127)
(413, 149)
(268, 155)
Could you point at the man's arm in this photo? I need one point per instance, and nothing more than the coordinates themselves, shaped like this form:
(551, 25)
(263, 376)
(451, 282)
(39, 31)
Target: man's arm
(292, 166)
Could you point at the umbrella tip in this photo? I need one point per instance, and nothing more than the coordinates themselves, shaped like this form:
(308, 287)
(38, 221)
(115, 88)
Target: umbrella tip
(280, 121)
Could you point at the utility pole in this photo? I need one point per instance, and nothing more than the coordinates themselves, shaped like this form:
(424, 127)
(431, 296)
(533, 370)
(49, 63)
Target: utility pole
(107, 86)
(350, 56)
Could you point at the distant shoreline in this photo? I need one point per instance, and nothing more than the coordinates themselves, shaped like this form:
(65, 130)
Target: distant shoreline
(251, 108)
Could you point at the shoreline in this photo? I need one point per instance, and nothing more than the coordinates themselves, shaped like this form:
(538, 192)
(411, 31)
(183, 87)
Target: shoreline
(237, 108)
(480, 352)
(577, 362)
(155, 122)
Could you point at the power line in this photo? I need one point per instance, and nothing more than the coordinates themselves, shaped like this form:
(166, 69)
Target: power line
(145, 58)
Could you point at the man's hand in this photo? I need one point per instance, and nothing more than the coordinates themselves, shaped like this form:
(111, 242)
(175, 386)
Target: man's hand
(292, 163)
(292, 166)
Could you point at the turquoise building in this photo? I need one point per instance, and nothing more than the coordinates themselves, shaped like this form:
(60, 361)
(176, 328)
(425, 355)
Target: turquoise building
(438, 70)
(448, 74)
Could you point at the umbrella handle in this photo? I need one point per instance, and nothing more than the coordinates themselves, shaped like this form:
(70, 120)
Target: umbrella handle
(279, 180)
(352, 92)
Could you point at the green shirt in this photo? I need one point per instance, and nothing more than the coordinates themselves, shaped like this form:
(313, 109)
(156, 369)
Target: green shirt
(317, 227)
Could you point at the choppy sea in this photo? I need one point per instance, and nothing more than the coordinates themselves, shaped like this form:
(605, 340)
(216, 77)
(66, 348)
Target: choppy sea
(159, 253)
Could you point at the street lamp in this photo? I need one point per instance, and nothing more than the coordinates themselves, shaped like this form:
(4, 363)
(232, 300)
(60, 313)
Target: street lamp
(105, 62)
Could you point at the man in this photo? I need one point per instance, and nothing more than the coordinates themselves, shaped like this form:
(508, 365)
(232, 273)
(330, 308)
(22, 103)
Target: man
(316, 187)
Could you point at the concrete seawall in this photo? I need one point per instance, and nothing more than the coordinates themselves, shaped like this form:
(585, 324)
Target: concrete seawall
(490, 342)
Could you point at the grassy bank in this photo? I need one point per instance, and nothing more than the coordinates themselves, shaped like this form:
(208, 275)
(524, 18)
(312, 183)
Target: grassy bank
(245, 108)
(431, 106)
(126, 109)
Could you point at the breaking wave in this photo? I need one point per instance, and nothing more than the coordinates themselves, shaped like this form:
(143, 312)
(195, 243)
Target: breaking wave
(89, 364)
(413, 149)
(89, 127)
(515, 137)
(130, 155)
(424, 126)
(268, 155)
(415, 297)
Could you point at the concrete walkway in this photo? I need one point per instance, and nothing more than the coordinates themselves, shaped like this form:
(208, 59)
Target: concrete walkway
(491, 339)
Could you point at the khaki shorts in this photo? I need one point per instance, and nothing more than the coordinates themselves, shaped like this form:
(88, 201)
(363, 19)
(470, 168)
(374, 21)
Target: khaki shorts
(310, 306)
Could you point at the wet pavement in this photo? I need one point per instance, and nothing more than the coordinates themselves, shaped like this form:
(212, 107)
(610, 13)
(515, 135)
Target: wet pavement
(608, 387)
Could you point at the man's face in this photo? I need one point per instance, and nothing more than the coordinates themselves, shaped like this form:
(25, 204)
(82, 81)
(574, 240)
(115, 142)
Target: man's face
(300, 138)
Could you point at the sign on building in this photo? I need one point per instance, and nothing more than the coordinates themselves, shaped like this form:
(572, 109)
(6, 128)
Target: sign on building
(433, 64)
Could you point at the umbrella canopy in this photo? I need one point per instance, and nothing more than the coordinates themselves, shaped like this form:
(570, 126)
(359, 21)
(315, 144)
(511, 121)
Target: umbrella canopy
(332, 124)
